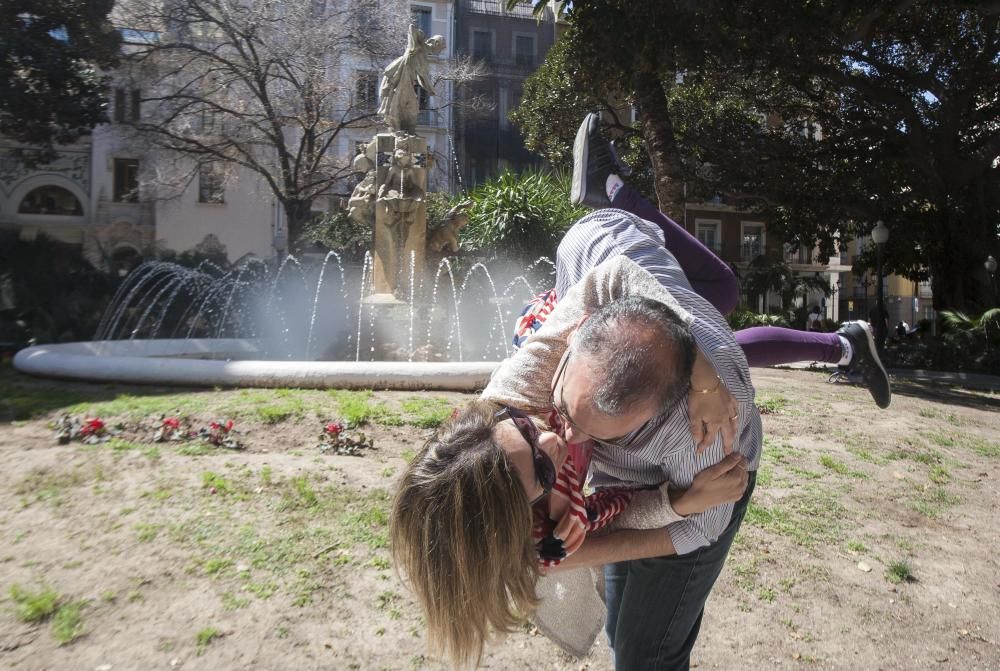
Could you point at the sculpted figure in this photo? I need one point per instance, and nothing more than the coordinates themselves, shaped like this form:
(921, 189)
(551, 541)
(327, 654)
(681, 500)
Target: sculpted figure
(361, 204)
(445, 236)
(400, 181)
(399, 103)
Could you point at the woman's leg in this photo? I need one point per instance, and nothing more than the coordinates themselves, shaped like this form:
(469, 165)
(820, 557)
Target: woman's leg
(710, 276)
(769, 346)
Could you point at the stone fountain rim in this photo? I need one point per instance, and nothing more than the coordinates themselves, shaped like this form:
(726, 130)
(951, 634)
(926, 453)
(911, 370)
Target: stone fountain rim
(163, 362)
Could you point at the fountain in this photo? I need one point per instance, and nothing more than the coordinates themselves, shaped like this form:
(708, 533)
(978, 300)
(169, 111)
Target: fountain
(395, 322)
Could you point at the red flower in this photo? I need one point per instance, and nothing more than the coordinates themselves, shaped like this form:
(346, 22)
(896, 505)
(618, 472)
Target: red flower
(334, 428)
(171, 423)
(91, 426)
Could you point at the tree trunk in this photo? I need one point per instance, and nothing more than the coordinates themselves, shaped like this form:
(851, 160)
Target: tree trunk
(297, 213)
(658, 129)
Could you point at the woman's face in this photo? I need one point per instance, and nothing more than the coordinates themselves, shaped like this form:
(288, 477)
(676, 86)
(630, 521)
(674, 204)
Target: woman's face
(520, 454)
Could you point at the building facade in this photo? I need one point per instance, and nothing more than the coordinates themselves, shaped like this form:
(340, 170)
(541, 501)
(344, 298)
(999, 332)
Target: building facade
(510, 46)
(739, 238)
(105, 193)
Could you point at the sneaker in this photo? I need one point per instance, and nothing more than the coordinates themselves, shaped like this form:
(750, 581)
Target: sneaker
(865, 361)
(593, 161)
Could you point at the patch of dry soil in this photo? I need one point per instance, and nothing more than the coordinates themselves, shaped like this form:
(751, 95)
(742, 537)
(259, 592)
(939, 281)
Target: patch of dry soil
(280, 550)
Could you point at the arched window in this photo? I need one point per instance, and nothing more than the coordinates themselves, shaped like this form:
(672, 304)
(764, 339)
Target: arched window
(51, 200)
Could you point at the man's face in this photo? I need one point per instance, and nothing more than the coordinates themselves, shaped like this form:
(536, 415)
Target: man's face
(573, 387)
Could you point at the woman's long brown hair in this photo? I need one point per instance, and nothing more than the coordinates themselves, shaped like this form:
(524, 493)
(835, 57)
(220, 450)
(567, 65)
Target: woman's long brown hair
(461, 534)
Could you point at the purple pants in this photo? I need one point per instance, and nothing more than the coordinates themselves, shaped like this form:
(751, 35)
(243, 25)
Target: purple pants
(714, 280)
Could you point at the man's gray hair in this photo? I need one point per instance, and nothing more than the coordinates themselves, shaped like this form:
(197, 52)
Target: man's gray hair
(639, 350)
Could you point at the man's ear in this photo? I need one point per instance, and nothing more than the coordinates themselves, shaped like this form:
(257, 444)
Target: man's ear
(572, 334)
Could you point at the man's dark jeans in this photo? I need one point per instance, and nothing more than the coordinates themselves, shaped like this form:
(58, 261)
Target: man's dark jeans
(655, 605)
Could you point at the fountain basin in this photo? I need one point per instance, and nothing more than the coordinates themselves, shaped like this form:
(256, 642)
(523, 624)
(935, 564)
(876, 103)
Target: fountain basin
(231, 362)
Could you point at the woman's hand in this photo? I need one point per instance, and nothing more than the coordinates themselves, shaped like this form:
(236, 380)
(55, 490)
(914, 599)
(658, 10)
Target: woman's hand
(724, 482)
(711, 408)
(570, 531)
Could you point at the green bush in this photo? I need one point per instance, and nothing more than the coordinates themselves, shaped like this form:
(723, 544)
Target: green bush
(337, 231)
(520, 216)
(58, 295)
(964, 343)
(740, 319)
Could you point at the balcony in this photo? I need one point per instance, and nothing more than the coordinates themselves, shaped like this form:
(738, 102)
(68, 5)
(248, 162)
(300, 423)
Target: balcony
(523, 10)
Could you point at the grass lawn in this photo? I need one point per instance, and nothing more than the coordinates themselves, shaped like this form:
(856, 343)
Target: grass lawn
(871, 540)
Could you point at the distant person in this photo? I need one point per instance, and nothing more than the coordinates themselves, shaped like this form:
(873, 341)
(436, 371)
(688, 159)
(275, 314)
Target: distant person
(813, 320)
(902, 329)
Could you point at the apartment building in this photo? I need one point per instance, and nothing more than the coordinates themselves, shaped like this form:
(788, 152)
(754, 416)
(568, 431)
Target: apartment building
(510, 46)
(104, 193)
(739, 238)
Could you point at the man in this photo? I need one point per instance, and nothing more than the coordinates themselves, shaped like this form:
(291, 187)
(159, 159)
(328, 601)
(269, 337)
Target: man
(657, 581)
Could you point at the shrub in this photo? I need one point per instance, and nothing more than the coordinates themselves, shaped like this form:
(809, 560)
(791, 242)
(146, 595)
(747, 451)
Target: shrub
(522, 216)
(965, 343)
(59, 296)
(743, 319)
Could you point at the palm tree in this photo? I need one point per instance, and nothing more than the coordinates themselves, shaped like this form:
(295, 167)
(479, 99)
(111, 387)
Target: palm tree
(974, 325)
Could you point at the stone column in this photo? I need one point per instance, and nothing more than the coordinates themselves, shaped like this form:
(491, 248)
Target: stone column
(400, 213)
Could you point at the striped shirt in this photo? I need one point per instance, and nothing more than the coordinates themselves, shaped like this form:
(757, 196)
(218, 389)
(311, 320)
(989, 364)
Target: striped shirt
(589, 272)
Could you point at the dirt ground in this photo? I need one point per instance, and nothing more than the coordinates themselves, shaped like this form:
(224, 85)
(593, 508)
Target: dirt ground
(871, 543)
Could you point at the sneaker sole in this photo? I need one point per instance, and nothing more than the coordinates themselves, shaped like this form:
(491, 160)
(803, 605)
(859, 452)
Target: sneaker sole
(578, 189)
(871, 348)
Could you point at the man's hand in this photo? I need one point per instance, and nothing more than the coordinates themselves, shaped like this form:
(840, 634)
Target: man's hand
(722, 483)
(711, 408)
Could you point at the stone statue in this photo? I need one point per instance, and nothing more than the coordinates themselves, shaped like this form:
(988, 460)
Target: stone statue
(445, 236)
(399, 103)
(400, 180)
(361, 205)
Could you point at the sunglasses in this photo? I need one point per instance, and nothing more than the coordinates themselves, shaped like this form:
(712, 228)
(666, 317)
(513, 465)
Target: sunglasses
(545, 470)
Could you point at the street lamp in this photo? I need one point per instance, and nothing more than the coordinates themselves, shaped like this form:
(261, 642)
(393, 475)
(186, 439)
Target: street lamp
(880, 235)
(991, 268)
(864, 284)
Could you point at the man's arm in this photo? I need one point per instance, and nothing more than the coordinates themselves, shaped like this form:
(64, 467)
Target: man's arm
(617, 546)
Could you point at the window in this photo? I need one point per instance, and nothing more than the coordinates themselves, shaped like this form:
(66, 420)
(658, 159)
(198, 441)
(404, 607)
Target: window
(127, 105)
(119, 106)
(482, 45)
(209, 120)
(707, 231)
(366, 90)
(126, 180)
(210, 184)
(205, 31)
(424, 115)
(50, 200)
(753, 241)
(421, 18)
(524, 50)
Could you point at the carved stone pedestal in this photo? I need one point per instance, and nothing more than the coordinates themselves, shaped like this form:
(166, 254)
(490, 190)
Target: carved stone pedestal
(400, 211)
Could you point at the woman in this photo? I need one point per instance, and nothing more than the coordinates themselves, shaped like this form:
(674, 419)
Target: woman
(462, 522)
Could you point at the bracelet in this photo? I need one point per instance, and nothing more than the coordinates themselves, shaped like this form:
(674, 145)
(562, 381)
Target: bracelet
(718, 383)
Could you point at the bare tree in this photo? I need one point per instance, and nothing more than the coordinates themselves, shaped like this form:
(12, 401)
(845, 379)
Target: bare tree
(265, 85)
